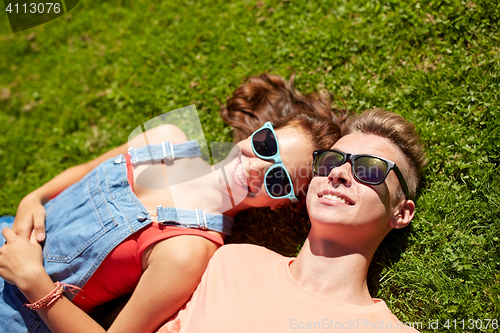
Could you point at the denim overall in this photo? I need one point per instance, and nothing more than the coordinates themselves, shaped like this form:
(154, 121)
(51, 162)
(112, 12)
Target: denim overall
(89, 219)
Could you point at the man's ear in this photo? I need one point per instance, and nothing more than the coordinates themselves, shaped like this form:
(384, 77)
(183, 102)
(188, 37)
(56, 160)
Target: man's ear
(404, 213)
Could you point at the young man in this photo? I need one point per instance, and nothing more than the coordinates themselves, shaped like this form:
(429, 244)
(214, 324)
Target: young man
(363, 188)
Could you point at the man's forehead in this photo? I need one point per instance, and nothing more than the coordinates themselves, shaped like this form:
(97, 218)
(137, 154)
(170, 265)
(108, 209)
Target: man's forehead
(360, 143)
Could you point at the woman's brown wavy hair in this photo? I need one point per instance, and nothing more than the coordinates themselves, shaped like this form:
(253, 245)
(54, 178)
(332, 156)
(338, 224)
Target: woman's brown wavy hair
(269, 97)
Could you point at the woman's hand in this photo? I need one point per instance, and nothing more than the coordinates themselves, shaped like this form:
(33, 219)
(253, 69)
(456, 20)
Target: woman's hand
(21, 260)
(30, 217)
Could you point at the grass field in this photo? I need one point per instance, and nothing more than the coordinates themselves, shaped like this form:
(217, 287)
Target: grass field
(75, 87)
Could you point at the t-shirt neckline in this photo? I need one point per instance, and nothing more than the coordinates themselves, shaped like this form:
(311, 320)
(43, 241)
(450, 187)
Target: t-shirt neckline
(319, 301)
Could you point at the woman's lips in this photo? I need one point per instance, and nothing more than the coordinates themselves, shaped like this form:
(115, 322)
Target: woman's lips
(240, 174)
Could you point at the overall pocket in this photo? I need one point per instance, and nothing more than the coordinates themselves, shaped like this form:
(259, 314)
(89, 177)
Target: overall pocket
(76, 218)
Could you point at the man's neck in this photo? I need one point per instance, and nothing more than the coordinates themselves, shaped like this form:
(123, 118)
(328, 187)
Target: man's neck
(329, 270)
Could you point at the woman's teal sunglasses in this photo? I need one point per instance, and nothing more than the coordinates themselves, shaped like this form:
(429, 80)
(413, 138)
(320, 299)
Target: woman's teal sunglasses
(278, 181)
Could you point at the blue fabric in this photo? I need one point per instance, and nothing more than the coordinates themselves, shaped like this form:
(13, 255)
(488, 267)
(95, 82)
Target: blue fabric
(164, 151)
(195, 219)
(83, 225)
(5, 221)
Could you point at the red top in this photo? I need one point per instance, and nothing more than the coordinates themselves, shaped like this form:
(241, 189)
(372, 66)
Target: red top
(120, 272)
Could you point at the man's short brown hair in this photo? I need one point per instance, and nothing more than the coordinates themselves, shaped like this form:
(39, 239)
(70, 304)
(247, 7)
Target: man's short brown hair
(399, 132)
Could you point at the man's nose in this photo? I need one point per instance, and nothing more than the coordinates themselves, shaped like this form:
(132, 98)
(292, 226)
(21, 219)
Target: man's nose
(341, 175)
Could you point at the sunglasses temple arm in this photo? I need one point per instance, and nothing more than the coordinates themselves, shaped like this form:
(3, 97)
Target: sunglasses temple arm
(402, 181)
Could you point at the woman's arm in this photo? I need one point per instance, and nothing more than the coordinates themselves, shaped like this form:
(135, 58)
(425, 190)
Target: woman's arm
(172, 271)
(31, 213)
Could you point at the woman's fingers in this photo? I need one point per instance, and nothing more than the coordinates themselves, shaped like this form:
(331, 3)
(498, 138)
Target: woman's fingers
(33, 239)
(9, 235)
(23, 224)
(39, 225)
(30, 219)
(20, 260)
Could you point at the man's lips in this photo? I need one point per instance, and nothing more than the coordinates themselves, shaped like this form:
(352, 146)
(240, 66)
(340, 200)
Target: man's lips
(334, 196)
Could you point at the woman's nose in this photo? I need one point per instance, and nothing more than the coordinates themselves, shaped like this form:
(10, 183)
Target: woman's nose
(259, 166)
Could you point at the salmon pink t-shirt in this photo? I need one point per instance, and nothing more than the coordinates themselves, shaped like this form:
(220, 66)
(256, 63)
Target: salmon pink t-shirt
(247, 288)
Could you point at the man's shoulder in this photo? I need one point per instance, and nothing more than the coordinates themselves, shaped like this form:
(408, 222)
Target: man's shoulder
(246, 250)
(248, 255)
(388, 321)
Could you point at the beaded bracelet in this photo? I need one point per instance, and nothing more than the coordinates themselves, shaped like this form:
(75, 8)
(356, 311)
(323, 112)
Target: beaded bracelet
(53, 296)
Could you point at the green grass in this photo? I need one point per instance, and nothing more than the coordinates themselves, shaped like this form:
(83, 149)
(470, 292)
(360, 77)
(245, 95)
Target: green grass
(75, 87)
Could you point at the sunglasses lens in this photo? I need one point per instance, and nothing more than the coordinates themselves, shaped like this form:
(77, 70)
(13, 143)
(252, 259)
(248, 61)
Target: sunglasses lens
(326, 161)
(371, 170)
(264, 143)
(278, 183)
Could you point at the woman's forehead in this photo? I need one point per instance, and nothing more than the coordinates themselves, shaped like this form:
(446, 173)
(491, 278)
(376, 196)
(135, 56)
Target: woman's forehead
(289, 137)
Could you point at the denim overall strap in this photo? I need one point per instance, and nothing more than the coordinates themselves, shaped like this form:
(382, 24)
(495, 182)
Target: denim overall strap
(196, 218)
(165, 150)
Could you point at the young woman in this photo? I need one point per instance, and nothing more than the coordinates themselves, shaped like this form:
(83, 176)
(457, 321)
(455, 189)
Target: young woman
(106, 234)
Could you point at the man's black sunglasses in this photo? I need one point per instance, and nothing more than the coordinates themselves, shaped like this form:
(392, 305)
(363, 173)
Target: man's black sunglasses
(368, 169)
